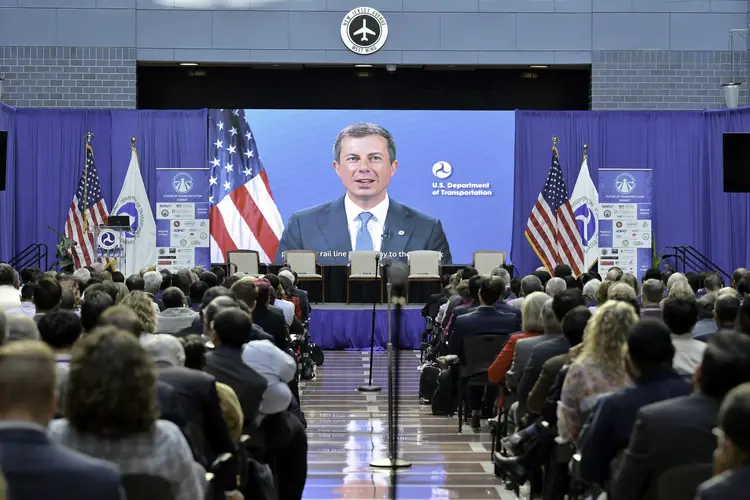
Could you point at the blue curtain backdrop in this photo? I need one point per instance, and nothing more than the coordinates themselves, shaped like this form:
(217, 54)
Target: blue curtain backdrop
(50, 154)
(683, 149)
(7, 197)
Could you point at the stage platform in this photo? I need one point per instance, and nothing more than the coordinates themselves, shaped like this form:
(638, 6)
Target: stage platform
(342, 326)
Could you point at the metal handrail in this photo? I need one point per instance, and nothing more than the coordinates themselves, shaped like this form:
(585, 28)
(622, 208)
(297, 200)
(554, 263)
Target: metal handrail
(32, 254)
(689, 249)
(689, 256)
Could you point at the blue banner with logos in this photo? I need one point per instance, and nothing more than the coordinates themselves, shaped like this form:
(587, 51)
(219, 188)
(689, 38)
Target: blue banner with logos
(625, 232)
(182, 219)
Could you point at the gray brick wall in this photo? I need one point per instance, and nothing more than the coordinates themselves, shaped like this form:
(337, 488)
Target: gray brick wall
(68, 77)
(662, 79)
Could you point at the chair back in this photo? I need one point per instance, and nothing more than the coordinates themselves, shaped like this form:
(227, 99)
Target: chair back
(302, 261)
(487, 260)
(362, 263)
(681, 483)
(479, 351)
(146, 487)
(424, 264)
(246, 261)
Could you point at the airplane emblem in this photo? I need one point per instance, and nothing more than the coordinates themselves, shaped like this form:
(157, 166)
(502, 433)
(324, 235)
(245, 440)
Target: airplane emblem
(364, 31)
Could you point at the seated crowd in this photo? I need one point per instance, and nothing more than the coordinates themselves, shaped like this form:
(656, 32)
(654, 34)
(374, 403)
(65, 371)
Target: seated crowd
(183, 383)
(611, 388)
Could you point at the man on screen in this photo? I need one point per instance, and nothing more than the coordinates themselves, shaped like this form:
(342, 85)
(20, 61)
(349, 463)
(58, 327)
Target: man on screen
(364, 158)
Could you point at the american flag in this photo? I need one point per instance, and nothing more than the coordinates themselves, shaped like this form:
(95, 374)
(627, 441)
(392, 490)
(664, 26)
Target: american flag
(552, 230)
(243, 213)
(87, 212)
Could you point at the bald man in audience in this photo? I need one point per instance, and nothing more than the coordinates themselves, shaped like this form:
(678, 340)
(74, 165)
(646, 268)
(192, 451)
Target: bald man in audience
(34, 467)
(21, 327)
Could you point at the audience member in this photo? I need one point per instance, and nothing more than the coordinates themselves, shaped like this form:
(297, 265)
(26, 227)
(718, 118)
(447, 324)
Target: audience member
(598, 370)
(60, 330)
(151, 285)
(82, 276)
(555, 286)
(680, 289)
(681, 315)
(21, 327)
(529, 285)
(737, 275)
(602, 294)
(631, 280)
(27, 301)
(525, 346)
(111, 413)
(543, 276)
(176, 316)
(590, 291)
(118, 277)
(47, 296)
(197, 289)
(33, 466)
(679, 431)
(652, 273)
(614, 274)
(621, 291)
(562, 270)
(652, 293)
(10, 296)
(732, 454)
(123, 318)
(706, 324)
(93, 305)
(135, 283)
(743, 286)
(210, 278)
(649, 362)
(108, 287)
(142, 304)
(68, 300)
(713, 282)
(743, 317)
(270, 319)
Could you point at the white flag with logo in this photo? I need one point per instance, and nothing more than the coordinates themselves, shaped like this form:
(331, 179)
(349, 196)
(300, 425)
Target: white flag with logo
(585, 202)
(133, 201)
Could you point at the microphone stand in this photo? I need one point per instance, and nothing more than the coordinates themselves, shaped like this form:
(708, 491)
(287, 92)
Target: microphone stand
(396, 289)
(369, 387)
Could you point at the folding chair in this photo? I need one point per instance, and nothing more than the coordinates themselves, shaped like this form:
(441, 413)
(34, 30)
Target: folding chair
(424, 267)
(484, 261)
(246, 262)
(305, 264)
(479, 351)
(364, 269)
(146, 487)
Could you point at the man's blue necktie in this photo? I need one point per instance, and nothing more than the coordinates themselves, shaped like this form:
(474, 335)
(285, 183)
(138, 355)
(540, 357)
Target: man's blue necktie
(364, 240)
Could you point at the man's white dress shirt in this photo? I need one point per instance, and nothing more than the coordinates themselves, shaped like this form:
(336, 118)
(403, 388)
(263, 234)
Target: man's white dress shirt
(375, 226)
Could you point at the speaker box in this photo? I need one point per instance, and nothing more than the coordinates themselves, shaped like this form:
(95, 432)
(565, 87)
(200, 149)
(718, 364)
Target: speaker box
(3, 158)
(737, 163)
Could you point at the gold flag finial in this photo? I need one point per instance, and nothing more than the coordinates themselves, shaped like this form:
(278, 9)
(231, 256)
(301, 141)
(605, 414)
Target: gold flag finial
(132, 141)
(88, 136)
(585, 151)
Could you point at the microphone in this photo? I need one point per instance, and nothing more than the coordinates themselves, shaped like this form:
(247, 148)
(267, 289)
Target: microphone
(399, 275)
(386, 234)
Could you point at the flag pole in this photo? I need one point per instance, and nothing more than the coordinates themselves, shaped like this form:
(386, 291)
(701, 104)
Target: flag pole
(88, 136)
(555, 140)
(585, 152)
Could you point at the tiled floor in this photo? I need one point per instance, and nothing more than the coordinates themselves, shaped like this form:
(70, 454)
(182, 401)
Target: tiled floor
(347, 429)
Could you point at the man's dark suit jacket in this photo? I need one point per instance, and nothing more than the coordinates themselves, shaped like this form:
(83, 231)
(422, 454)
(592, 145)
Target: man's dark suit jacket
(324, 227)
(539, 393)
(453, 303)
(504, 307)
(200, 405)
(651, 312)
(613, 422)
(225, 363)
(539, 355)
(666, 434)
(170, 406)
(731, 484)
(37, 469)
(482, 320)
(271, 320)
(430, 309)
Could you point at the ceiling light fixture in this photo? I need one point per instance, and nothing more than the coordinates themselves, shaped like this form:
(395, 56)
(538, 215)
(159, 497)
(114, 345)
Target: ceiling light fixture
(188, 64)
(363, 65)
(539, 66)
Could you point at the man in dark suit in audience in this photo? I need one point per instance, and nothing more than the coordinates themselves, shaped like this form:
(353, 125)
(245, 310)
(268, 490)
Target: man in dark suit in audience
(475, 282)
(199, 399)
(483, 320)
(649, 360)
(731, 465)
(726, 308)
(652, 293)
(679, 431)
(35, 467)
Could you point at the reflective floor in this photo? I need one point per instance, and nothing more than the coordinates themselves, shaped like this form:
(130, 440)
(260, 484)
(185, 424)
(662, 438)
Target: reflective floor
(347, 429)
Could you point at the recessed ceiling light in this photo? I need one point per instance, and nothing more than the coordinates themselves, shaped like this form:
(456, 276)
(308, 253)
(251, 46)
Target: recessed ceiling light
(363, 65)
(188, 64)
(539, 66)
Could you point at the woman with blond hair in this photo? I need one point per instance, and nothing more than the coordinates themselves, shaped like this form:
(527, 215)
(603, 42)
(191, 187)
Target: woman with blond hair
(599, 369)
(681, 289)
(142, 305)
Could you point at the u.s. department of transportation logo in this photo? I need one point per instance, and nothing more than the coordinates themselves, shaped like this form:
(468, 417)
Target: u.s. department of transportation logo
(108, 239)
(364, 30)
(182, 183)
(131, 207)
(625, 183)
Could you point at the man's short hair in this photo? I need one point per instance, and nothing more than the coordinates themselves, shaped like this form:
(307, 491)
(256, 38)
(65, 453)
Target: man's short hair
(212, 293)
(166, 278)
(555, 286)
(743, 316)
(475, 283)
(680, 314)
(173, 297)
(503, 273)
(705, 306)
(135, 283)
(60, 329)
(467, 272)
(108, 287)
(118, 277)
(562, 270)
(652, 273)
(653, 290)
(27, 378)
(197, 290)
(210, 278)
(743, 286)
(27, 292)
(734, 417)
(621, 291)
(219, 272)
(123, 318)
(246, 291)
(574, 323)
(531, 284)
(543, 276)
(7, 275)
(47, 294)
(726, 309)
(359, 130)
(164, 348)
(713, 282)
(591, 287)
(726, 363)
(565, 301)
(491, 290)
(232, 326)
(650, 344)
(152, 282)
(94, 304)
(738, 274)
(21, 327)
